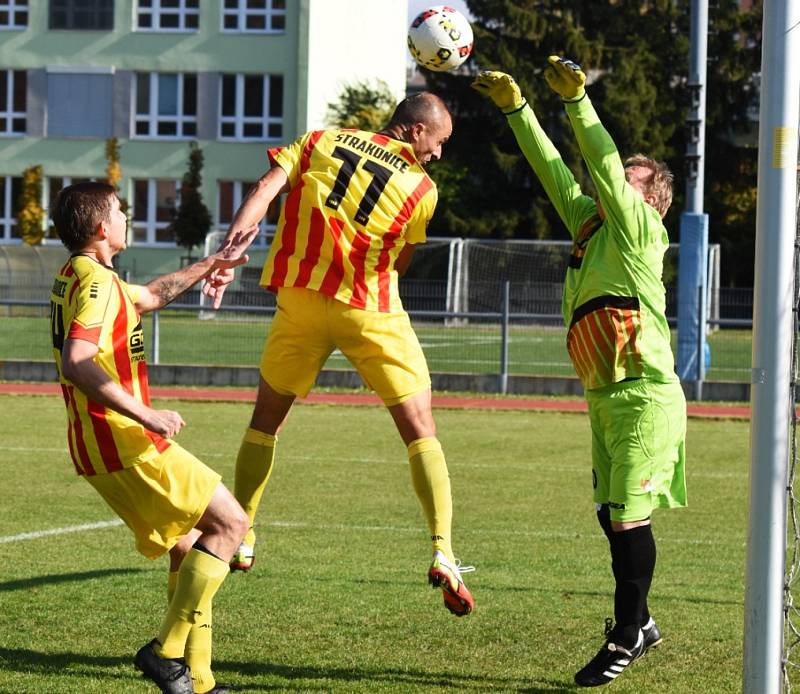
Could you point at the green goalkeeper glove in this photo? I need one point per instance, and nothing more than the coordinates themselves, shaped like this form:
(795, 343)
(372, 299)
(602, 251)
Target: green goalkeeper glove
(565, 78)
(500, 88)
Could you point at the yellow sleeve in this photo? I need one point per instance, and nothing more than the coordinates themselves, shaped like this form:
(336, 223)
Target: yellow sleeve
(417, 227)
(289, 157)
(134, 291)
(91, 301)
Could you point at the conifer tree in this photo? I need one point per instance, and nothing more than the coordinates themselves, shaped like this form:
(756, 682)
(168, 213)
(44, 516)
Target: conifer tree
(191, 221)
(636, 56)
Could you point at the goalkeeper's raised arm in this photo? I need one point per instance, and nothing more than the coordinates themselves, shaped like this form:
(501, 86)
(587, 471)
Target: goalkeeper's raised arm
(557, 180)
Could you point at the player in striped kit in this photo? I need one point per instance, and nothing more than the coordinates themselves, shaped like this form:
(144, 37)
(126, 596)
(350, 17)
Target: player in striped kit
(358, 202)
(123, 446)
(618, 341)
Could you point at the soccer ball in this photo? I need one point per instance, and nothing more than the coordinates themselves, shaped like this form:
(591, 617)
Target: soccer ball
(440, 38)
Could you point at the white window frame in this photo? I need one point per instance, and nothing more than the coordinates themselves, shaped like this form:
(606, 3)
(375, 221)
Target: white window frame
(156, 11)
(7, 117)
(266, 230)
(153, 118)
(242, 12)
(151, 224)
(12, 7)
(239, 120)
(7, 222)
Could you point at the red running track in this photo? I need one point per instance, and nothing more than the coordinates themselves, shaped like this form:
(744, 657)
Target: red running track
(439, 401)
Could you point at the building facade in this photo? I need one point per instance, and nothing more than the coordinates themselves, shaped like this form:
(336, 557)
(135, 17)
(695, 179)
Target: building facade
(237, 76)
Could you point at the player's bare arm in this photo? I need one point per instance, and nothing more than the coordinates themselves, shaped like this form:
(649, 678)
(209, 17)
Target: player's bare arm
(78, 366)
(258, 199)
(167, 288)
(250, 212)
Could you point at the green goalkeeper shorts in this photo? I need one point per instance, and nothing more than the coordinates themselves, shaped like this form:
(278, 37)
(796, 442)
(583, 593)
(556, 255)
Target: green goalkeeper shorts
(638, 447)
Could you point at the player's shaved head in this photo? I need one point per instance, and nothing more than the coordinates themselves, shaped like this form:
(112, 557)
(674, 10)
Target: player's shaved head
(424, 121)
(419, 108)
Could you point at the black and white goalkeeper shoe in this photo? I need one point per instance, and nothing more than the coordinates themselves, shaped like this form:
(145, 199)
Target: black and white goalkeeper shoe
(609, 663)
(651, 634)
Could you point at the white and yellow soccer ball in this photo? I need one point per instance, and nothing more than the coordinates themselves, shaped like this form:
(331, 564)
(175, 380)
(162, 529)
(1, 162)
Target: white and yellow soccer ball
(440, 38)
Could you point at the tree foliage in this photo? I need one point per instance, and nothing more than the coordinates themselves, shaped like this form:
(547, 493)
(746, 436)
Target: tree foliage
(363, 105)
(31, 214)
(636, 56)
(732, 136)
(191, 221)
(114, 170)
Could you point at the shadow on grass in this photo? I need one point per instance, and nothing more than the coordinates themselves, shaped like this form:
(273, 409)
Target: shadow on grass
(64, 578)
(301, 678)
(43, 664)
(289, 677)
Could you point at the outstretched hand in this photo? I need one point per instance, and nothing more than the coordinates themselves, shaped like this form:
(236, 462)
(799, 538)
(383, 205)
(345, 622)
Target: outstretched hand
(230, 255)
(232, 252)
(500, 88)
(565, 78)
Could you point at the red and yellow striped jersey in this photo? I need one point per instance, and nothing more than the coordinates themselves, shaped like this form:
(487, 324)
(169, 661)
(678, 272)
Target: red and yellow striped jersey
(356, 199)
(89, 302)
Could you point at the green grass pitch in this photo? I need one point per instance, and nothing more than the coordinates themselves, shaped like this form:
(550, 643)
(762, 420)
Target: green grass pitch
(337, 601)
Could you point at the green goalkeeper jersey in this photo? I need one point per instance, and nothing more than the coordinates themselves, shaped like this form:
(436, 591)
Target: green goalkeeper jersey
(614, 298)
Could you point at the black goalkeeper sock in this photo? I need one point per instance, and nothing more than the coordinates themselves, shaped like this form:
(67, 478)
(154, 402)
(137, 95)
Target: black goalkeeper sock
(634, 552)
(604, 518)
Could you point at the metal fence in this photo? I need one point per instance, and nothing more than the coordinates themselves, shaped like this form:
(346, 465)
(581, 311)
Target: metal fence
(517, 331)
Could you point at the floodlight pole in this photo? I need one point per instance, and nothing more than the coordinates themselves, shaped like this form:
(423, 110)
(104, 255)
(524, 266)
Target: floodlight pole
(771, 397)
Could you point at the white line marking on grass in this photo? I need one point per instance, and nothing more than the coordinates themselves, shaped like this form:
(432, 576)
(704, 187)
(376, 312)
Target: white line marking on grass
(325, 527)
(35, 535)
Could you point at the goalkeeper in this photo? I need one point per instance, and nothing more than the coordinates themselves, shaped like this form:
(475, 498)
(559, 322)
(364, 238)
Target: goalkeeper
(618, 340)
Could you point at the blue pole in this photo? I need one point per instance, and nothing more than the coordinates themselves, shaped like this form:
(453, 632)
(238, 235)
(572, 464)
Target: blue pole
(694, 224)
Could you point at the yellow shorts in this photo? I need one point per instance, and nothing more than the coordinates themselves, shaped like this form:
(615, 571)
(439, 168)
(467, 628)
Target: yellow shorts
(159, 501)
(309, 325)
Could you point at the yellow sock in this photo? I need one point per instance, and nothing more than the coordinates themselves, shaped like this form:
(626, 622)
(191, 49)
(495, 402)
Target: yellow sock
(253, 468)
(198, 645)
(198, 579)
(172, 581)
(198, 652)
(431, 482)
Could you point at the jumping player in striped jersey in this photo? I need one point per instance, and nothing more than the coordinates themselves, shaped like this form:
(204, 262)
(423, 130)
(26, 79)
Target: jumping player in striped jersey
(123, 446)
(358, 203)
(618, 341)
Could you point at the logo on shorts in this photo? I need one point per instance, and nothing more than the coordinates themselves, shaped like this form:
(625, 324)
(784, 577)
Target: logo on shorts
(646, 485)
(614, 504)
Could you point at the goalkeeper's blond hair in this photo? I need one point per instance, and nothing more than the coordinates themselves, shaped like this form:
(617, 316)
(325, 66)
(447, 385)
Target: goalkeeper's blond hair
(659, 185)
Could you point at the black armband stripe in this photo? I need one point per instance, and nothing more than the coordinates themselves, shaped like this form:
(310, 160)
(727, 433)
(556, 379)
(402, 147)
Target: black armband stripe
(630, 303)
